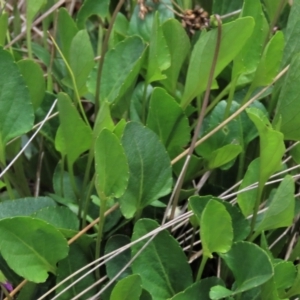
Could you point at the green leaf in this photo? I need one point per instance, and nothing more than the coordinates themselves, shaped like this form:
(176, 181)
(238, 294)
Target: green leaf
(128, 288)
(219, 292)
(253, 48)
(167, 119)
(32, 8)
(24, 206)
(16, 112)
(247, 199)
(270, 61)
(223, 155)
(81, 59)
(280, 213)
(222, 7)
(285, 274)
(67, 29)
(288, 107)
(34, 78)
(115, 265)
(159, 55)
(257, 268)
(271, 144)
(38, 246)
(3, 27)
(109, 153)
(90, 8)
(179, 47)
(272, 7)
(76, 259)
(167, 271)
(229, 134)
(121, 67)
(149, 169)
(234, 36)
(58, 216)
(215, 229)
(73, 136)
(292, 31)
(295, 289)
(143, 26)
(199, 290)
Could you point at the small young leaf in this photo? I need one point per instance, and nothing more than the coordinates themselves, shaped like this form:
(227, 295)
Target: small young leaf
(285, 274)
(219, 292)
(128, 288)
(280, 213)
(159, 55)
(109, 153)
(168, 121)
(38, 246)
(34, 78)
(91, 7)
(216, 230)
(167, 272)
(257, 268)
(32, 8)
(149, 167)
(73, 136)
(179, 46)
(16, 112)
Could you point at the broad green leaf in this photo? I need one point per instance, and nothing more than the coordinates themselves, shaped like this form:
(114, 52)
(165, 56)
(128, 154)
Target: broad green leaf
(119, 30)
(167, 119)
(90, 8)
(216, 230)
(223, 155)
(197, 205)
(179, 46)
(288, 107)
(38, 246)
(3, 27)
(257, 268)
(121, 67)
(149, 169)
(81, 60)
(128, 288)
(16, 112)
(111, 166)
(58, 216)
(199, 290)
(285, 274)
(73, 136)
(229, 134)
(143, 26)
(247, 199)
(280, 213)
(271, 144)
(32, 8)
(67, 29)
(270, 61)
(253, 48)
(234, 36)
(222, 7)
(292, 31)
(159, 58)
(76, 259)
(167, 272)
(295, 289)
(115, 265)
(34, 78)
(119, 128)
(268, 291)
(24, 206)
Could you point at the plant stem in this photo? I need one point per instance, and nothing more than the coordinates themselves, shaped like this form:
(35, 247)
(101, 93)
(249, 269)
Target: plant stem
(100, 232)
(201, 268)
(230, 97)
(87, 201)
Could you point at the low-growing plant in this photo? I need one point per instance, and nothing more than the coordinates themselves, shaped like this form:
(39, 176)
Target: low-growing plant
(149, 149)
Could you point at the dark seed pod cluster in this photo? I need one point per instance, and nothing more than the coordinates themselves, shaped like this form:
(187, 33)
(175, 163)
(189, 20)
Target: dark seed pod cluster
(195, 19)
